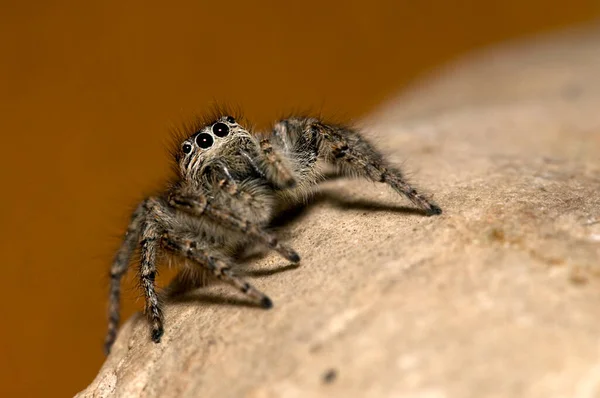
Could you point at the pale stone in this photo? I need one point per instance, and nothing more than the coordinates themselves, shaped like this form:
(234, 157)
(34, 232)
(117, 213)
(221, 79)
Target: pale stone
(498, 297)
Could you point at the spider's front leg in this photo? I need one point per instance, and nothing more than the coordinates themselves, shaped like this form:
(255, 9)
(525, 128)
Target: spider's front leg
(353, 155)
(199, 205)
(118, 269)
(149, 243)
(271, 165)
(190, 249)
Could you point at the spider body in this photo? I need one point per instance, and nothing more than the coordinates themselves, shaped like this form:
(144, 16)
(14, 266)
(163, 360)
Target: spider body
(230, 185)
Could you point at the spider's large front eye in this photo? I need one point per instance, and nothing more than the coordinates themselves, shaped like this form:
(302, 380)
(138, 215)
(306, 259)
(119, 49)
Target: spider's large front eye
(186, 148)
(220, 129)
(204, 140)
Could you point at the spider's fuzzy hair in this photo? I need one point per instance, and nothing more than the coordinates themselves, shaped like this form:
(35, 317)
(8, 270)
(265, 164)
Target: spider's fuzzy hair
(326, 117)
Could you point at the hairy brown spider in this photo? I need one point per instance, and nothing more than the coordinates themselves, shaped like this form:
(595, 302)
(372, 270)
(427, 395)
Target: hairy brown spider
(229, 187)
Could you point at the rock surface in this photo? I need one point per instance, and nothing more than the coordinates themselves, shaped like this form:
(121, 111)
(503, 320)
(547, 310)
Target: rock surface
(498, 297)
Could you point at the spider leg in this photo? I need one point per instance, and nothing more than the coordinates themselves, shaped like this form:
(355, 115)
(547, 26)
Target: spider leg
(200, 205)
(277, 170)
(353, 156)
(189, 249)
(241, 198)
(268, 163)
(149, 243)
(118, 269)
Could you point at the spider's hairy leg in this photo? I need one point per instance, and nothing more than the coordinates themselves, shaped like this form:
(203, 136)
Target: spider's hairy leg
(353, 155)
(247, 199)
(118, 269)
(349, 150)
(277, 171)
(189, 249)
(149, 243)
(201, 206)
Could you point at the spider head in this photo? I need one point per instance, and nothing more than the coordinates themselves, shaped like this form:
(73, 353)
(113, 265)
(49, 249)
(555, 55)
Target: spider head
(210, 142)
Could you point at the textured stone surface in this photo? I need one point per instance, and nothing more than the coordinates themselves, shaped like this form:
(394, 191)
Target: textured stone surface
(498, 297)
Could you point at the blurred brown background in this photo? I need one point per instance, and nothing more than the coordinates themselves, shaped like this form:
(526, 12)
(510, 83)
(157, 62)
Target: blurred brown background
(89, 93)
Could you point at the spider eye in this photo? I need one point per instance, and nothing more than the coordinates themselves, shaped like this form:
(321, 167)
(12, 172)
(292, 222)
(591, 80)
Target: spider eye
(204, 140)
(186, 148)
(220, 129)
(230, 119)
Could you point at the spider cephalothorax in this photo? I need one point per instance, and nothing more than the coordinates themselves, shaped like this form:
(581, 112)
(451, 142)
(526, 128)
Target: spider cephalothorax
(229, 185)
(215, 142)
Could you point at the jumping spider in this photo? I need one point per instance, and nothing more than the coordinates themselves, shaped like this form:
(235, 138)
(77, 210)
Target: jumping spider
(229, 187)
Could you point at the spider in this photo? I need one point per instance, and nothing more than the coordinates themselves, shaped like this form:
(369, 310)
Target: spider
(230, 185)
